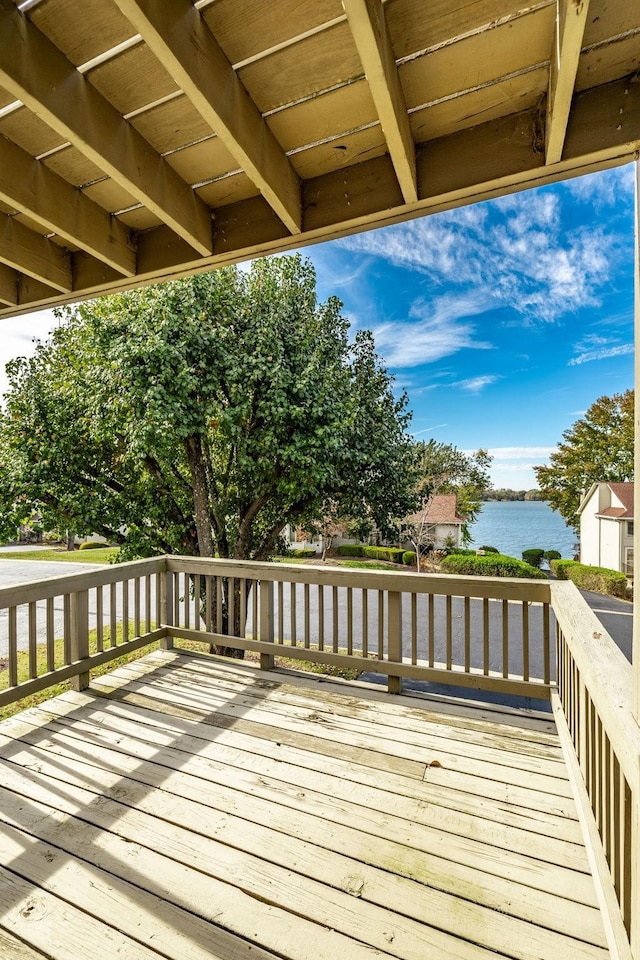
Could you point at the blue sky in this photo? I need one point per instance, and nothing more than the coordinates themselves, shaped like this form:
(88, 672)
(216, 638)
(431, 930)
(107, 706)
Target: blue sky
(503, 320)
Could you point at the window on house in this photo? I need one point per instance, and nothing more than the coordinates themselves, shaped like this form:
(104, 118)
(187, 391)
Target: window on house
(629, 528)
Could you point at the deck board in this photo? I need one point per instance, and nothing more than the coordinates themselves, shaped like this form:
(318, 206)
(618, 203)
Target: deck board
(190, 808)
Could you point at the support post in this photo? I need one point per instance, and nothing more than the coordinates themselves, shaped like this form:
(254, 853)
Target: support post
(266, 622)
(394, 637)
(635, 655)
(166, 608)
(79, 636)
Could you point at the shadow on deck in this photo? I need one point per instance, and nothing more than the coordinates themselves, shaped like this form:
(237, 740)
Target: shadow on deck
(191, 808)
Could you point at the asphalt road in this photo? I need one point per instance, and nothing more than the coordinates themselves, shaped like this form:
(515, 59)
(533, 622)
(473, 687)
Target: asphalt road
(616, 616)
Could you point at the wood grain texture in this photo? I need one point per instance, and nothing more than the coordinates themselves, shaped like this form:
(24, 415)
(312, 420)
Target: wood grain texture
(175, 833)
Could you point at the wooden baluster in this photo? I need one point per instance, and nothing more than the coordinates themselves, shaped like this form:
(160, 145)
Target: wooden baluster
(294, 613)
(505, 638)
(167, 608)
(320, 617)
(394, 634)
(13, 646)
(365, 623)
(99, 620)
(50, 634)
(33, 641)
(350, 621)
(334, 612)
(266, 620)
(79, 635)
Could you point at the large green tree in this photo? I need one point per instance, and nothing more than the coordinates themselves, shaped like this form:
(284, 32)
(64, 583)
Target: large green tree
(443, 468)
(201, 416)
(598, 447)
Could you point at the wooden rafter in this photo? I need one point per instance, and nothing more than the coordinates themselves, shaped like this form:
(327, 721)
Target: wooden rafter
(571, 19)
(33, 189)
(34, 71)
(31, 253)
(369, 29)
(182, 41)
(16, 288)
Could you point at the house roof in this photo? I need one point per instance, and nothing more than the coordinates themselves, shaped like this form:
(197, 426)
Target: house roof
(622, 491)
(148, 139)
(442, 508)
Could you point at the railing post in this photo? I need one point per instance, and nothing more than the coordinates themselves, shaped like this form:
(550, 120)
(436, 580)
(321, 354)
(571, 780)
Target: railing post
(79, 636)
(166, 607)
(394, 637)
(634, 937)
(266, 621)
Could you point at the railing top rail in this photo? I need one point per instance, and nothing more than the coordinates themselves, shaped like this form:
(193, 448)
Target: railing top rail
(403, 581)
(18, 593)
(605, 671)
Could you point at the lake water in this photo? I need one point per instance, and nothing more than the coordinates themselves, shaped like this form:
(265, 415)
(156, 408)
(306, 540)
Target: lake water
(516, 525)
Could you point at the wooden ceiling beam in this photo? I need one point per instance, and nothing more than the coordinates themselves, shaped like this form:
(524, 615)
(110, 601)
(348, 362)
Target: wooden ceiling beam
(499, 158)
(571, 19)
(176, 33)
(33, 70)
(31, 253)
(16, 289)
(369, 30)
(33, 189)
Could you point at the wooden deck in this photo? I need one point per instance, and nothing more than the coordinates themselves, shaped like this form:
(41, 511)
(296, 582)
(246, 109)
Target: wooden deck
(192, 809)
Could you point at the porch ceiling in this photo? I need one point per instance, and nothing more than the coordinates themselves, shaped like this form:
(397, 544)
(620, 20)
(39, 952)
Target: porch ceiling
(145, 139)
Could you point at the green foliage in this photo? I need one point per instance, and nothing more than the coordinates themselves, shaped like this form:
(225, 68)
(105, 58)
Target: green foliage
(92, 545)
(302, 553)
(490, 549)
(534, 556)
(550, 555)
(351, 550)
(597, 579)
(392, 554)
(495, 565)
(599, 447)
(464, 551)
(202, 415)
(442, 468)
(409, 558)
(560, 567)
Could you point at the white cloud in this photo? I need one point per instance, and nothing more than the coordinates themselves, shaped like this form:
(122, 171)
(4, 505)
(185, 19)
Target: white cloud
(440, 330)
(476, 384)
(601, 353)
(18, 336)
(520, 453)
(514, 252)
(603, 189)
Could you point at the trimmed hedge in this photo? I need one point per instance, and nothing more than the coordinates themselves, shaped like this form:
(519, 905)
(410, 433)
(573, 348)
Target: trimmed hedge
(597, 579)
(494, 565)
(350, 550)
(490, 549)
(302, 553)
(552, 555)
(533, 556)
(559, 568)
(92, 545)
(392, 554)
(409, 558)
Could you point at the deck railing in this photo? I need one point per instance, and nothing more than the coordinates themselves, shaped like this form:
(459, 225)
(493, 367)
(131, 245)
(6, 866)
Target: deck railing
(595, 690)
(484, 633)
(488, 633)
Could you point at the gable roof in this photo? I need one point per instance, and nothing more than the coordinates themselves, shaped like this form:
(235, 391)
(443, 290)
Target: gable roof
(142, 141)
(622, 491)
(442, 508)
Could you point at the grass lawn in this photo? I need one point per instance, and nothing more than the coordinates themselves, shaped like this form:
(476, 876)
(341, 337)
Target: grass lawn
(99, 555)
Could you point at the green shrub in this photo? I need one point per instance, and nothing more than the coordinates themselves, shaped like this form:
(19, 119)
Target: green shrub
(409, 558)
(533, 556)
(495, 565)
(302, 553)
(52, 536)
(92, 545)
(552, 555)
(462, 551)
(392, 554)
(597, 579)
(351, 550)
(559, 568)
(490, 549)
